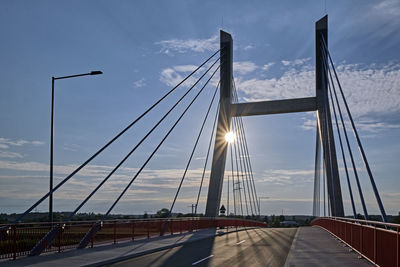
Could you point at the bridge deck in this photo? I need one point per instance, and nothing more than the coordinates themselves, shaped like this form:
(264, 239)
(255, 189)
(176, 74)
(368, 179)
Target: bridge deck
(313, 246)
(109, 253)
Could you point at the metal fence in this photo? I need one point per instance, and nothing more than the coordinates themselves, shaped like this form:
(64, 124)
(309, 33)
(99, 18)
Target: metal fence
(17, 240)
(378, 242)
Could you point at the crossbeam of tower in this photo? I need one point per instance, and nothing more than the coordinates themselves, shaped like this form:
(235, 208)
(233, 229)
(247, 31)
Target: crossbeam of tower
(228, 110)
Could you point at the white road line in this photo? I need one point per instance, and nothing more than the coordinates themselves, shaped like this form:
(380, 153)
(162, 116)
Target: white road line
(194, 263)
(238, 243)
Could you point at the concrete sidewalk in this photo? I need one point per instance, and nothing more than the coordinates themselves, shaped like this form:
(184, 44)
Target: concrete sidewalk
(111, 253)
(314, 246)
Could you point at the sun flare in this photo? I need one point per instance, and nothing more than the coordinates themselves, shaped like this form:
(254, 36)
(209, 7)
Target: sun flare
(230, 137)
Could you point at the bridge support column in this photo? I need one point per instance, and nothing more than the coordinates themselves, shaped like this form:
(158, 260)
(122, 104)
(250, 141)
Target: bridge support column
(224, 121)
(325, 122)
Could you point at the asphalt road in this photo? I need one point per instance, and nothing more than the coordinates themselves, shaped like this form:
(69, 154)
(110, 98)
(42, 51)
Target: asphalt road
(256, 247)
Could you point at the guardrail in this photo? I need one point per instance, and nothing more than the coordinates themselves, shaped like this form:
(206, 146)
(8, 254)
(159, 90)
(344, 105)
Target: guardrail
(17, 240)
(378, 242)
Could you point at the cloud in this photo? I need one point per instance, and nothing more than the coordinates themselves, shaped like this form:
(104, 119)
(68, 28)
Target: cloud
(267, 66)
(309, 124)
(296, 62)
(363, 124)
(6, 143)
(369, 89)
(286, 177)
(291, 84)
(140, 83)
(195, 45)
(37, 143)
(244, 67)
(174, 75)
(8, 154)
(375, 127)
(248, 47)
(386, 8)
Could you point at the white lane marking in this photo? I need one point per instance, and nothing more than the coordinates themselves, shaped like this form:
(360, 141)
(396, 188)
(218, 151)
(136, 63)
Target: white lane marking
(194, 263)
(238, 243)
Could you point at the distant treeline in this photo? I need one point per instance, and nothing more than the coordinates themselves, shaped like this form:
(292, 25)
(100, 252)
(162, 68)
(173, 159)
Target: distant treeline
(163, 213)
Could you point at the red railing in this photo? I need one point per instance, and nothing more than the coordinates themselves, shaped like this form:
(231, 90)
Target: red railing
(378, 242)
(19, 239)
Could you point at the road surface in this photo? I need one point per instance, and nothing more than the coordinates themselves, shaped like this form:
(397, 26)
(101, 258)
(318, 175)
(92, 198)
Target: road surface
(255, 247)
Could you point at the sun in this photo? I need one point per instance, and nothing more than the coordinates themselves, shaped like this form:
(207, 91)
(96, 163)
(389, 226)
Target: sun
(230, 137)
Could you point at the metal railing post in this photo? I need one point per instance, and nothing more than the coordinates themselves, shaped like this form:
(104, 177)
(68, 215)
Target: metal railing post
(398, 248)
(115, 232)
(59, 237)
(375, 244)
(361, 239)
(148, 229)
(133, 231)
(351, 234)
(14, 228)
(91, 237)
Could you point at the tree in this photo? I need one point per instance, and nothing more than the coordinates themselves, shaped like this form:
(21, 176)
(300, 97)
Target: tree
(397, 218)
(162, 213)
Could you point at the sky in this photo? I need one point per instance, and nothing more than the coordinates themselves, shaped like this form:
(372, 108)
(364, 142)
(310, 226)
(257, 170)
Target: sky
(144, 48)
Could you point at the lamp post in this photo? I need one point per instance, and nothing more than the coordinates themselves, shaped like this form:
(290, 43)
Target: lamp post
(52, 133)
(259, 204)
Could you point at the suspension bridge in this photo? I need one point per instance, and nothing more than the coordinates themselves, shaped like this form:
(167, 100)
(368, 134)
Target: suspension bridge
(376, 242)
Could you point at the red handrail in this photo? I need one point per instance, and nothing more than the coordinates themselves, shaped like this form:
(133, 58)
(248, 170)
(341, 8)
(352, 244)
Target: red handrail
(19, 239)
(378, 242)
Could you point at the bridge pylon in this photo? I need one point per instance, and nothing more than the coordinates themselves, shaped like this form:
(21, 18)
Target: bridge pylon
(223, 126)
(324, 121)
(319, 103)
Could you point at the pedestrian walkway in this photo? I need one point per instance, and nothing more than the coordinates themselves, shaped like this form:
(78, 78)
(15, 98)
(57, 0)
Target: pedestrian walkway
(113, 252)
(314, 246)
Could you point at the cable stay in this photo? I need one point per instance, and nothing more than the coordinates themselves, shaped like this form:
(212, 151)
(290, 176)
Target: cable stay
(237, 155)
(238, 178)
(193, 150)
(48, 238)
(19, 218)
(246, 152)
(317, 174)
(330, 82)
(208, 153)
(355, 132)
(349, 148)
(93, 231)
(343, 155)
(242, 156)
(245, 158)
(138, 144)
(329, 147)
(227, 196)
(233, 181)
(242, 166)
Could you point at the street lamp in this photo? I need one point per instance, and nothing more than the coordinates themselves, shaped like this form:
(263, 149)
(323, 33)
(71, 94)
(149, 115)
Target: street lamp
(259, 204)
(52, 133)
